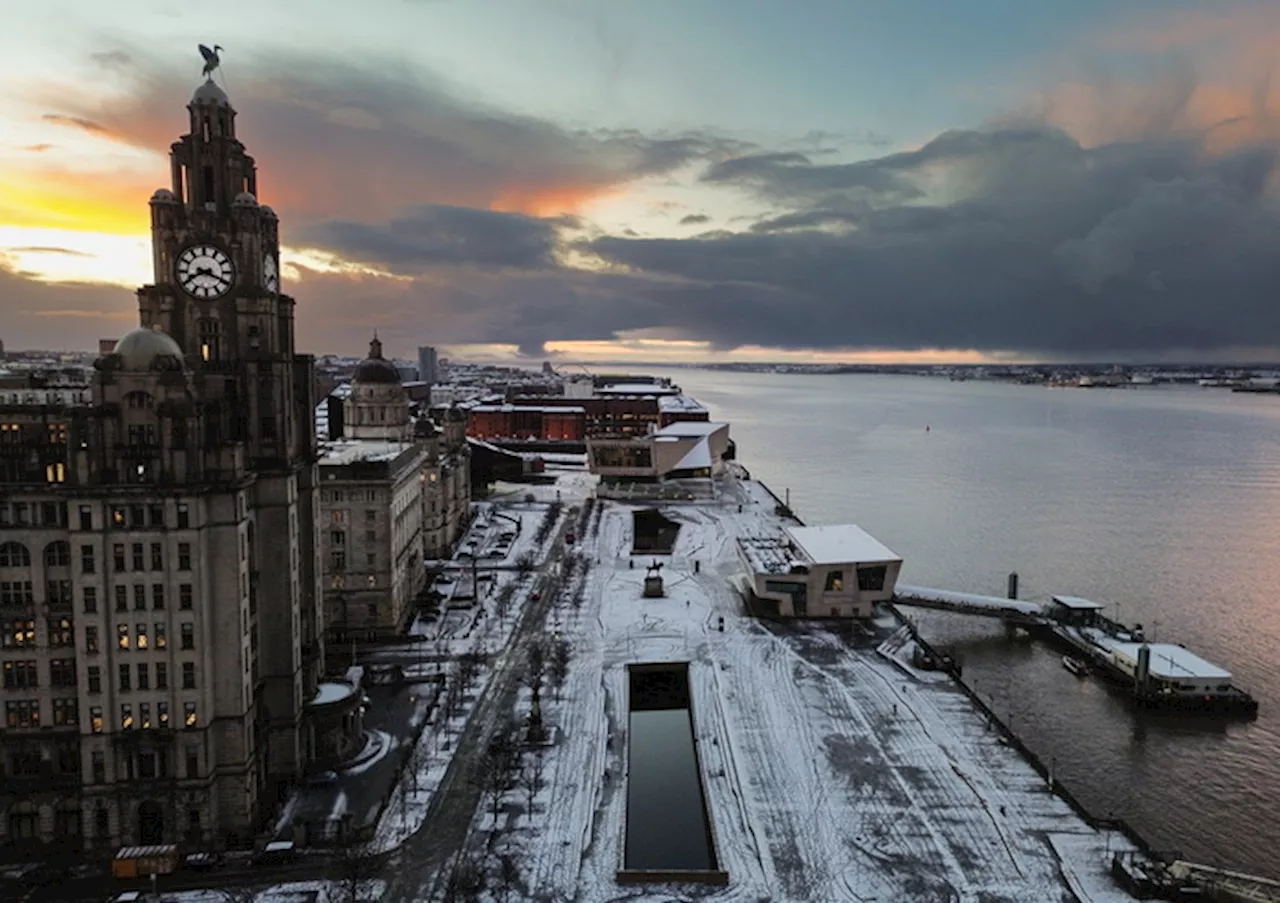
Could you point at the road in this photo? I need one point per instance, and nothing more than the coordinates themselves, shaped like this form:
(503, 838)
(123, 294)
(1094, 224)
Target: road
(417, 870)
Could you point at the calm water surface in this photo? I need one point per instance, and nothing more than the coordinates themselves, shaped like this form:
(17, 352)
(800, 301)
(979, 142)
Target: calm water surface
(1161, 502)
(666, 822)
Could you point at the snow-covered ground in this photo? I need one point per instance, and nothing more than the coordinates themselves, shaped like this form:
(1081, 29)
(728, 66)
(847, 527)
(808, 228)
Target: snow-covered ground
(832, 773)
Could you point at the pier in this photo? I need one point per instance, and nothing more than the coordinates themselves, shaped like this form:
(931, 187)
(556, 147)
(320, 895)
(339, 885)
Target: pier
(1158, 675)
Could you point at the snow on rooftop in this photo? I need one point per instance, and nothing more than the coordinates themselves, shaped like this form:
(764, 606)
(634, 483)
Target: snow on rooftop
(329, 693)
(675, 404)
(527, 408)
(969, 600)
(1079, 603)
(1170, 662)
(839, 544)
(351, 451)
(637, 389)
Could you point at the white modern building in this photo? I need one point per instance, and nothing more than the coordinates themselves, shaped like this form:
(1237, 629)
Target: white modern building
(837, 571)
(679, 450)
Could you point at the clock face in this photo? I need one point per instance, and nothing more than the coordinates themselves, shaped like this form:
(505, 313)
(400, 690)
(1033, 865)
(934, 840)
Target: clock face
(270, 274)
(205, 271)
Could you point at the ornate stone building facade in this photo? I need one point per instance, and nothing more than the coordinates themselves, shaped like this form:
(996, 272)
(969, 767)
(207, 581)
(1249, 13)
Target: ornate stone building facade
(156, 672)
(394, 493)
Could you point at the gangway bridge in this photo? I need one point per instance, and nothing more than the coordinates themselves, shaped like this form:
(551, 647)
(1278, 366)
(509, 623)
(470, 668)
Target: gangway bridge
(1011, 611)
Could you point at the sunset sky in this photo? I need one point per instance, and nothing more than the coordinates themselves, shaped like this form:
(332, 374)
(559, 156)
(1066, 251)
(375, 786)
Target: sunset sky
(713, 179)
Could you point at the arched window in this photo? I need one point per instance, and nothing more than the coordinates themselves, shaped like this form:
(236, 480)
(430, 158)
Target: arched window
(14, 555)
(57, 555)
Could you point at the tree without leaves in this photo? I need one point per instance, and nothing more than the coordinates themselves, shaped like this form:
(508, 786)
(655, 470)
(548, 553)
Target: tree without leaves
(352, 868)
(535, 664)
(501, 757)
(508, 875)
(466, 880)
(558, 666)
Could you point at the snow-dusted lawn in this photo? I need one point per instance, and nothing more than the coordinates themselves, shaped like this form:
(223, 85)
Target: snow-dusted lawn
(832, 773)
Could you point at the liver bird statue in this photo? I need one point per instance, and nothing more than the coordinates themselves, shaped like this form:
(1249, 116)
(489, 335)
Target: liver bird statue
(211, 60)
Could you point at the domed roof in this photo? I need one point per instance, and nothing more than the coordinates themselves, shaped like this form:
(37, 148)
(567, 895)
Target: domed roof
(245, 199)
(424, 429)
(139, 348)
(210, 93)
(375, 368)
(163, 196)
(268, 212)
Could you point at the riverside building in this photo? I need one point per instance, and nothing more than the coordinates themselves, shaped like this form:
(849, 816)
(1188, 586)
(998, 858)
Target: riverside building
(160, 597)
(395, 493)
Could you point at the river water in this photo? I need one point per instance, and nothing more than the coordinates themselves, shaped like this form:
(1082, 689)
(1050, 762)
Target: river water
(1162, 502)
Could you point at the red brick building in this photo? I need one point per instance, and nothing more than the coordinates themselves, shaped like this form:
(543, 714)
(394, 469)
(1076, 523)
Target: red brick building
(564, 423)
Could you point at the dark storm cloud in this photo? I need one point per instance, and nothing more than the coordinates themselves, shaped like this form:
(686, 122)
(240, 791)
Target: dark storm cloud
(440, 236)
(1048, 248)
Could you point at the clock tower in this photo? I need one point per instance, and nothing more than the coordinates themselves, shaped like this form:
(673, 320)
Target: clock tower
(216, 291)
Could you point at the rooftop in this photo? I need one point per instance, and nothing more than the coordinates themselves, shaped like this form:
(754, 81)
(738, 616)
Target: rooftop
(1170, 662)
(352, 451)
(1078, 603)
(637, 389)
(680, 404)
(839, 544)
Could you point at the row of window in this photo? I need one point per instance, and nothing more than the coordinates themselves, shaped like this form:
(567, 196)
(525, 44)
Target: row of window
(20, 713)
(140, 639)
(350, 495)
(127, 684)
(54, 514)
(21, 633)
(33, 514)
(186, 597)
(21, 675)
(26, 712)
(58, 554)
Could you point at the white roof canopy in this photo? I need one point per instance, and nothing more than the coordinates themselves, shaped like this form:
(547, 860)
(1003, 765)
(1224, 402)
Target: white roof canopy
(839, 544)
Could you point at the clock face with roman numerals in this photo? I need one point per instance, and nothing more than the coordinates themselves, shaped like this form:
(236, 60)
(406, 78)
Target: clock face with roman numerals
(205, 271)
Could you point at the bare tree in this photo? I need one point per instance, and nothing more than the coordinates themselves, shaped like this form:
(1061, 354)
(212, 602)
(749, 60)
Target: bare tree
(535, 664)
(353, 869)
(535, 766)
(466, 880)
(558, 667)
(508, 875)
(524, 563)
(502, 600)
(500, 759)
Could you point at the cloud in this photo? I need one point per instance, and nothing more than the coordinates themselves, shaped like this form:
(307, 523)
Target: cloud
(440, 236)
(1038, 245)
(78, 122)
(62, 316)
(46, 249)
(381, 138)
(37, 148)
(694, 219)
